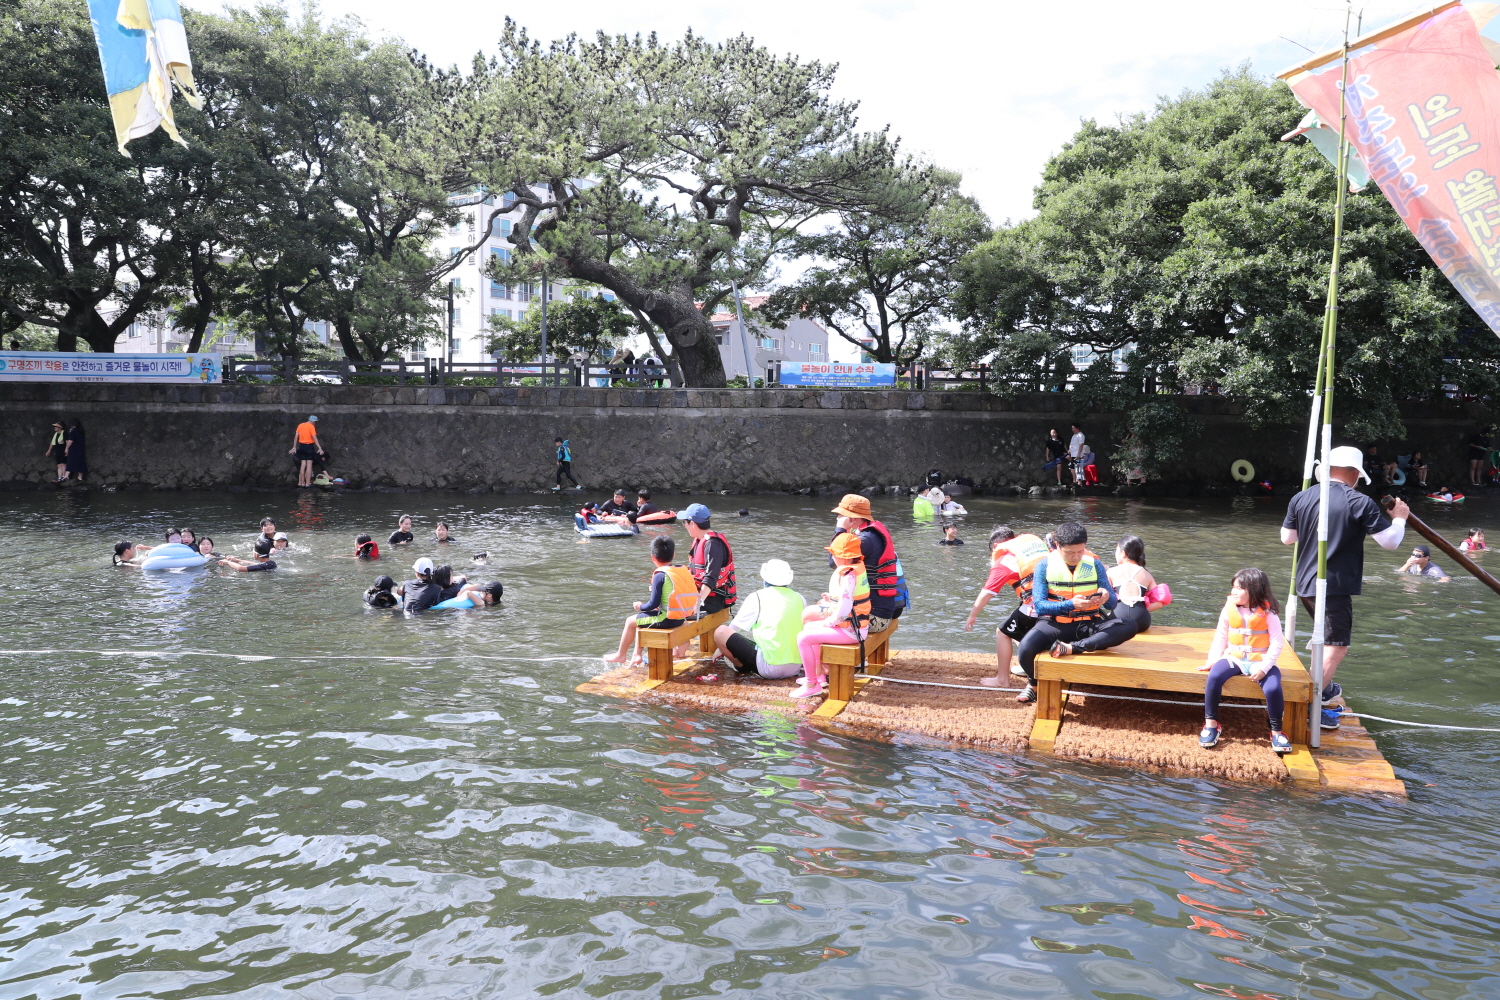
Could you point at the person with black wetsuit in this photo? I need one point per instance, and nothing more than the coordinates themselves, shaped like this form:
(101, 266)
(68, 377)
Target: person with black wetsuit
(261, 562)
(380, 596)
(402, 535)
(423, 592)
(643, 506)
(448, 587)
(617, 506)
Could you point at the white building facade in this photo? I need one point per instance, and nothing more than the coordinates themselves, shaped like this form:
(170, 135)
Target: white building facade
(761, 347)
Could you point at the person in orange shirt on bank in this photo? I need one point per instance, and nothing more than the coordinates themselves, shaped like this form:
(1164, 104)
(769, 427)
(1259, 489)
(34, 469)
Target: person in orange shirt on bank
(306, 447)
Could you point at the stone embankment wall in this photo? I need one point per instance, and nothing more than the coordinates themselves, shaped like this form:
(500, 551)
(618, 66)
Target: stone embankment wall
(237, 436)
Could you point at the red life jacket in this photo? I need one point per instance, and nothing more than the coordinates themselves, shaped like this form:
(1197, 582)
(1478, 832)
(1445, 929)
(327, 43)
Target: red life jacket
(698, 563)
(883, 572)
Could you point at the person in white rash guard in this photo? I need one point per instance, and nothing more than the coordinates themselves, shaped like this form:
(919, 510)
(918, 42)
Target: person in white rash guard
(1351, 516)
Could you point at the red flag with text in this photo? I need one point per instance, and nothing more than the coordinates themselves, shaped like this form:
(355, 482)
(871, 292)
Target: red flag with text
(1424, 113)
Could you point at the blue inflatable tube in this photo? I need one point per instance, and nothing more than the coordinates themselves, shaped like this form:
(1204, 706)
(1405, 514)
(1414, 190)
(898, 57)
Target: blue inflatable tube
(452, 602)
(174, 556)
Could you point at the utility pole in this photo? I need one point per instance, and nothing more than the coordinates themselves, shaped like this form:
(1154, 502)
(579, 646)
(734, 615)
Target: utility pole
(544, 326)
(739, 312)
(449, 352)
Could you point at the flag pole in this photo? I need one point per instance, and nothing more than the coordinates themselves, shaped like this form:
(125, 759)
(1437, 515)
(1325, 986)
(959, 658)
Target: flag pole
(1330, 341)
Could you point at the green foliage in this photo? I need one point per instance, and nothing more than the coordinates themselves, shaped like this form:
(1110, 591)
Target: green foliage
(580, 325)
(1101, 390)
(1164, 430)
(664, 171)
(889, 273)
(1198, 236)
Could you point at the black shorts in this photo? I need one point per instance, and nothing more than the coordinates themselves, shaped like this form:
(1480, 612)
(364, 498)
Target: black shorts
(712, 603)
(744, 651)
(1017, 625)
(307, 453)
(1338, 618)
(664, 623)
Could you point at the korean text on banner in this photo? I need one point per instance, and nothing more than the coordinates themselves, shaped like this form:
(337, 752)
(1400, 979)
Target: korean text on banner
(50, 366)
(833, 373)
(1424, 113)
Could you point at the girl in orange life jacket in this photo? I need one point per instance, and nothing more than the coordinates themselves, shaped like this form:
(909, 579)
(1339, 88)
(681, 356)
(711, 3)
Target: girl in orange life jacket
(887, 586)
(1247, 641)
(1013, 560)
(846, 625)
(673, 600)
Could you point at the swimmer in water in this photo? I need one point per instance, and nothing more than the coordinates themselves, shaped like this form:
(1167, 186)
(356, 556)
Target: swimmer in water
(1473, 543)
(280, 542)
(402, 535)
(950, 536)
(189, 538)
(477, 595)
(380, 596)
(744, 512)
(440, 533)
(261, 562)
(449, 587)
(173, 536)
(125, 553)
(205, 547)
(480, 558)
(365, 547)
(267, 528)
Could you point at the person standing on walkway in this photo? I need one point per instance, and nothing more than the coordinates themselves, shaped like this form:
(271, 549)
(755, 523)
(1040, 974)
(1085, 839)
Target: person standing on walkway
(57, 449)
(887, 584)
(76, 455)
(307, 448)
(1075, 453)
(564, 464)
(1057, 453)
(1351, 516)
(1479, 451)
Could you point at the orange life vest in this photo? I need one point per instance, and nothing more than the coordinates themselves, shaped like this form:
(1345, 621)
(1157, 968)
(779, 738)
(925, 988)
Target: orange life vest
(1027, 551)
(679, 596)
(859, 613)
(1249, 636)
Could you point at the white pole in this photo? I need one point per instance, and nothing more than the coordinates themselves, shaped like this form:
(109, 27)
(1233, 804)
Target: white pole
(739, 313)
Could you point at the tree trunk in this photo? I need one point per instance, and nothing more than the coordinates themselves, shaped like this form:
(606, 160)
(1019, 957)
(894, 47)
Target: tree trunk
(347, 340)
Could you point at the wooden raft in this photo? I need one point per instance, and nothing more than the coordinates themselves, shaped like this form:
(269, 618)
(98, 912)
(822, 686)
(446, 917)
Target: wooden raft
(1163, 660)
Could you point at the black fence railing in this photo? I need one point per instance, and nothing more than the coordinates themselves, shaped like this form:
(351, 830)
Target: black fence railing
(439, 371)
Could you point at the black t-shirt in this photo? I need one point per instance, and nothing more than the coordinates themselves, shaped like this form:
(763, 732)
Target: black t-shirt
(1479, 446)
(951, 541)
(421, 595)
(646, 507)
(1056, 447)
(398, 536)
(1351, 516)
(610, 507)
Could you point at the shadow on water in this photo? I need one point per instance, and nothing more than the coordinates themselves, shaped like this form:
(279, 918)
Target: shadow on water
(250, 785)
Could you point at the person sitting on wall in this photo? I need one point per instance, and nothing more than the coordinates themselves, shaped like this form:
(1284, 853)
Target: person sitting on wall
(1072, 595)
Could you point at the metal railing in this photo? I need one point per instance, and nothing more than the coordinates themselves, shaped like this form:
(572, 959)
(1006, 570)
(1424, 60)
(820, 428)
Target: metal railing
(439, 371)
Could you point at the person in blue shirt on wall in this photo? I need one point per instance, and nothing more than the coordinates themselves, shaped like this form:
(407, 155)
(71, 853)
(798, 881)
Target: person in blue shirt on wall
(1073, 597)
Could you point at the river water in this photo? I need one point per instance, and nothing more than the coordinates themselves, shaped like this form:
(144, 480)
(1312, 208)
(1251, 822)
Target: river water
(220, 784)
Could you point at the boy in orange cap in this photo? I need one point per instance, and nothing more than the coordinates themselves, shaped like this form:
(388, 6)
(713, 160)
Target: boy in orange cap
(846, 625)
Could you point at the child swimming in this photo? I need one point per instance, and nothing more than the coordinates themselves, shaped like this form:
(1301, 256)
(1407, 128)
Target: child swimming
(402, 535)
(1473, 543)
(365, 547)
(1247, 641)
(379, 595)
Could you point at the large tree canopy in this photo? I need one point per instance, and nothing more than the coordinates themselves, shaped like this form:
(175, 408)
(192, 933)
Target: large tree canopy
(664, 172)
(1196, 235)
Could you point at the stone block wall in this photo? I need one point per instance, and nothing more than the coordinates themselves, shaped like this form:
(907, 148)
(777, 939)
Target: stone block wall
(703, 439)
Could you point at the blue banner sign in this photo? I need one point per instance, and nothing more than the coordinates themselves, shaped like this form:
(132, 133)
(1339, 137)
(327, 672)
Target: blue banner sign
(55, 366)
(839, 374)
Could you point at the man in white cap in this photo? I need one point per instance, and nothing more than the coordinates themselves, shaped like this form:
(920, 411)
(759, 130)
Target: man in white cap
(423, 592)
(762, 639)
(1351, 516)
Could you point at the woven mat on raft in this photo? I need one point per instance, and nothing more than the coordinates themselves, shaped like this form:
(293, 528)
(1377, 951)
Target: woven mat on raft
(1133, 733)
(727, 692)
(981, 718)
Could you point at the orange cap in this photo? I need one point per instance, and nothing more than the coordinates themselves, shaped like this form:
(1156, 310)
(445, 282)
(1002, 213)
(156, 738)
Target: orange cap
(845, 546)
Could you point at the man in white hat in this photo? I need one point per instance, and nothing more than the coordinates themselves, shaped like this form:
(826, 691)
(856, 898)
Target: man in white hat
(423, 592)
(1351, 516)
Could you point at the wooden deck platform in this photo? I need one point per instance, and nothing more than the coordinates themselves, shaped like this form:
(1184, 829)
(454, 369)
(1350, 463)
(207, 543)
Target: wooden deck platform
(1158, 734)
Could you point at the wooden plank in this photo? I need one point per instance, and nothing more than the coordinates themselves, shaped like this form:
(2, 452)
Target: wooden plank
(1294, 722)
(1049, 700)
(657, 638)
(830, 708)
(1044, 734)
(1302, 767)
(833, 706)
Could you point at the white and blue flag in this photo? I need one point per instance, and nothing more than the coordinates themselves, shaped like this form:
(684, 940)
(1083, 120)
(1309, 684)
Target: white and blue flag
(143, 49)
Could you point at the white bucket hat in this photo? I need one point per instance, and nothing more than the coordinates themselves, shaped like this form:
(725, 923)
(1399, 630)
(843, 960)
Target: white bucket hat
(776, 572)
(1345, 457)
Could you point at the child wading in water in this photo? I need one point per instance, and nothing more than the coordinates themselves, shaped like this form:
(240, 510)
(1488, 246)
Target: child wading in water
(1248, 641)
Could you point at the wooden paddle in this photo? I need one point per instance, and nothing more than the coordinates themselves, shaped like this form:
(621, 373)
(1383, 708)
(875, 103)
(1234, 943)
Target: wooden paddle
(1449, 550)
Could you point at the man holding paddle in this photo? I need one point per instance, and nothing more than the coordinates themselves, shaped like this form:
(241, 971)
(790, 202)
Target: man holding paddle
(1351, 516)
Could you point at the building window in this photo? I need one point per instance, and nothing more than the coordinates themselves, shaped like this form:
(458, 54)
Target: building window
(524, 291)
(500, 255)
(500, 313)
(504, 227)
(507, 199)
(455, 344)
(814, 348)
(499, 290)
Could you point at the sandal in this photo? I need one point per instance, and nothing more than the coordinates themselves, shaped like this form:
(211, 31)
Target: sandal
(1209, 737)
(1027, 695)
(1061, 649)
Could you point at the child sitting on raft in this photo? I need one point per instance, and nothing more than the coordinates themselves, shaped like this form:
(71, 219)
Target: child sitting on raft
(673, 600)
(1247, 641)
(841, 620)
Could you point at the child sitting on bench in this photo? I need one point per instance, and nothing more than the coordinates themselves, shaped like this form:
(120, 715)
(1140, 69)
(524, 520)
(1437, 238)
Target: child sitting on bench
(1247, 641)
(847, 610)
(673, 600)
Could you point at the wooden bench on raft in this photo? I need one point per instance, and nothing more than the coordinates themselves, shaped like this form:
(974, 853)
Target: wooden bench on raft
(658, 643)
(1167, 659)
(840, 661)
